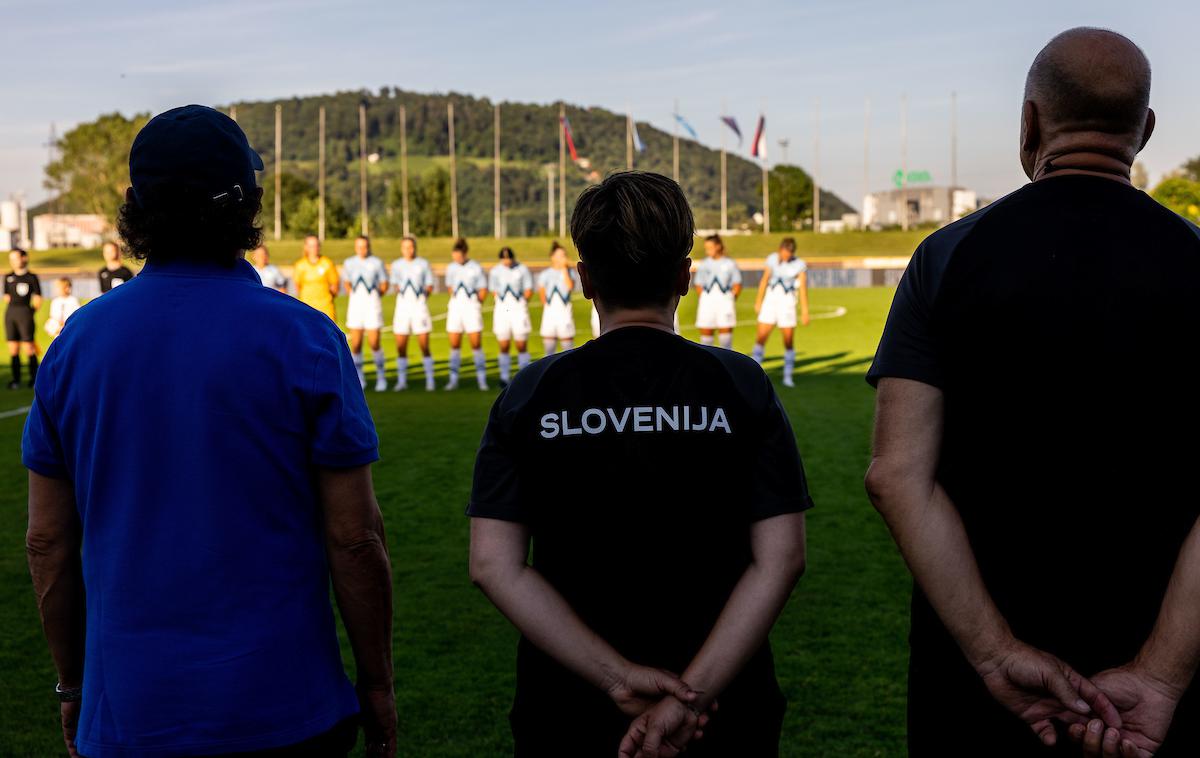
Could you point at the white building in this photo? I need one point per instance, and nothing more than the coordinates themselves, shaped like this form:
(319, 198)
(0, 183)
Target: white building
(924, 205)
(14, 224)
(68, 230)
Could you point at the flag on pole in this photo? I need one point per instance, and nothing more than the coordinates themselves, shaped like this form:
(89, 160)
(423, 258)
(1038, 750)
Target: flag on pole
(758, 149)
(731, 122)
(637, 140)
(686, 126)
(566, 126)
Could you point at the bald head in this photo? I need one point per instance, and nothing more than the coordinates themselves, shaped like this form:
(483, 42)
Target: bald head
(1090, 80)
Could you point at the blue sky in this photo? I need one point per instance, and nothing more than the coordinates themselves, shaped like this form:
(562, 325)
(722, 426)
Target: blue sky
(68, 62)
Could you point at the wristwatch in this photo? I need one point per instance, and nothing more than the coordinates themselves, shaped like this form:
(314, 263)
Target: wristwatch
(68, 694)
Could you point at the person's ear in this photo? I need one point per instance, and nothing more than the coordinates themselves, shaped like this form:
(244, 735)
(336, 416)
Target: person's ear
(683, 278)
(585, 279)
(1031, 137)
(1148, 129)
(129, 196)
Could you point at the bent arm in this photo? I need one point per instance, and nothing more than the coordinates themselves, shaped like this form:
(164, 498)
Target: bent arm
(902, 484)
(52, 545)
(360, 568)
(777, 562)
(499, 567)
(1172, 651)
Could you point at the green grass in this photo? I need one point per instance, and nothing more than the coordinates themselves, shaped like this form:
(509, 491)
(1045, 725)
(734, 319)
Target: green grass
(840, 646)
(537, 249)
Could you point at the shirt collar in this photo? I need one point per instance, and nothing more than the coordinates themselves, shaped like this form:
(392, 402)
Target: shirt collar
(241, 269)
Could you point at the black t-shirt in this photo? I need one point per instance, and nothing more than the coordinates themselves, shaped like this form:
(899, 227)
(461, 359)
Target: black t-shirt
(1060, 324)
(20, 289)
(638, 461)
(110, 279)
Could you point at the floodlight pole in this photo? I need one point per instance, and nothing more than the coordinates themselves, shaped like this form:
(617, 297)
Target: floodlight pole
(321, 174)
(817, 168)
(362, 166)
(453, 172)
(562, 170)
(675, 155)
(278, 160)
(724, 204)
(496, 171)
(404, 170)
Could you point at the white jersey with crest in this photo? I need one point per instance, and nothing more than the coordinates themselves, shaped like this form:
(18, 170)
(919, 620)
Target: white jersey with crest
(508, 285)
(464, 282)
(781, 278)
(411, 280)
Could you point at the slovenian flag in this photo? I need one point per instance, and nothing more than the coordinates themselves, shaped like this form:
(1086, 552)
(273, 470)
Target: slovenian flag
(731, 122)
(759, 147)
(566, 127)
(686, 126)
(637, 140)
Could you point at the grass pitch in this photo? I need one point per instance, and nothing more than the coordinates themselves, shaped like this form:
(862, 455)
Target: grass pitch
(840, 646)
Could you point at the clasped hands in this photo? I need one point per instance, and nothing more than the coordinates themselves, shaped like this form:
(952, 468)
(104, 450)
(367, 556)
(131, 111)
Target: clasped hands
(666, 712)
(1123, 712)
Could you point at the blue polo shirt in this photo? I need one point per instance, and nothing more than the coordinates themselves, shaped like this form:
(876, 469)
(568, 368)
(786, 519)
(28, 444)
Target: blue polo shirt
(190, 408)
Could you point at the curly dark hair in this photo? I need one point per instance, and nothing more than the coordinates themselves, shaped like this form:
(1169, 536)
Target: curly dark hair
(185, 226)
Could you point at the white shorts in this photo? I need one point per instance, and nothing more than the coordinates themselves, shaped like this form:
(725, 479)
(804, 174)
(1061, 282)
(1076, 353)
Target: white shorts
(716, 311)
(465, 315)
(412, 316)
(365, 311)
(558, 321)
(778, 309)
(510, 321)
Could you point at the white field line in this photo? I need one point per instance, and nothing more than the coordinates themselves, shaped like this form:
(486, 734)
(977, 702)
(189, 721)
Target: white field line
(14, 412)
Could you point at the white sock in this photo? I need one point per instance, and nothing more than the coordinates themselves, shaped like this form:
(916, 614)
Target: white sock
(427, 361)
(402, 369)
(757, 355)
(358, 366)
(522, 359)
(549, 345)
(455, 362)
(380, 365)
(505, 361)
(568, 344)
(706, 339)
(480, 366)
(789, 363)
(726, 340)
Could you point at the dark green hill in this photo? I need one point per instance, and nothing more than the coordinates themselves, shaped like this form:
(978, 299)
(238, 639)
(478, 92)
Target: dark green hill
(529, 142)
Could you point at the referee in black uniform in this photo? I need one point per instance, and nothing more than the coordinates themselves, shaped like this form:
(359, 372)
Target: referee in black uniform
(639, 569)
(22, 297)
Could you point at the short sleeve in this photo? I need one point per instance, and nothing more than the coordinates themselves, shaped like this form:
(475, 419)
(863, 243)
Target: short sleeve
(526, 280)
(495, 488)
(737, 274)
(342, 430)
(908, 349)
(36, 289)
(41, 445)
(778, 484)
(331, 275)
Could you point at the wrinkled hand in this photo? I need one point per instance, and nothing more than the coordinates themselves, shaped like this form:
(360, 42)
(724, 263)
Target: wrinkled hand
(637, 688)
(1145, 705)
(377, 709)
(70, 723)
(663, 731)
(1039, 688)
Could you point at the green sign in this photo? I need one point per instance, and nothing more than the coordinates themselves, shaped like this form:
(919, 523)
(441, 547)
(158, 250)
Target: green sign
(913, 177)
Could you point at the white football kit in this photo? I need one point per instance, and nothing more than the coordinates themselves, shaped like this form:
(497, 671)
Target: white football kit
(365, 277)
(464, 281)
(411, 280)
(510, 320)
(716, 278)
(558, 318)
(779, 304)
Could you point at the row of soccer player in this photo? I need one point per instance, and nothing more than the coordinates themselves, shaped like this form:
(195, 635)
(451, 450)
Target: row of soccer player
(366, 279)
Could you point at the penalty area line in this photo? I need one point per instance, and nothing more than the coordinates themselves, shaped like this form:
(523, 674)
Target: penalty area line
(14, 412)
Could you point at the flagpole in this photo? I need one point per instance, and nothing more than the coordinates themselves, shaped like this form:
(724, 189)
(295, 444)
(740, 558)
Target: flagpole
(562, 170)
(278, 160)
(321, 174)
(817, 169)
(904, 162)
(866, 162)
(496, 170)
(453, 172)
(724, 208)
(550, 199)
(404, 169)
(761, 147)
(362, 165)
(628, 139)
(675, 156)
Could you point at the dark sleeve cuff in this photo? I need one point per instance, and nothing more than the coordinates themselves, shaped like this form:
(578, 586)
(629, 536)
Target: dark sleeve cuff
(922, 374)
(45, 468)
(778, 507)
(345, 459)
(498, 511)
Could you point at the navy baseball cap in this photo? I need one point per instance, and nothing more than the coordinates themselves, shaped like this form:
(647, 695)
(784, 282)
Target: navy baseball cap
(195, 148)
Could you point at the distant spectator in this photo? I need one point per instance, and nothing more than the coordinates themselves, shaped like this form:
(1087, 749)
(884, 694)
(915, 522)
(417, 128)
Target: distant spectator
(61, 307)
(245, 489)
(114, 272)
